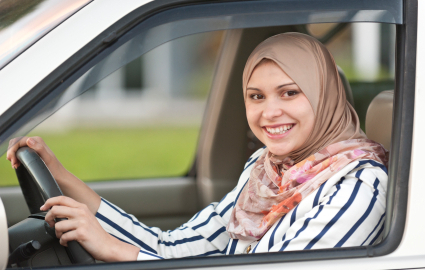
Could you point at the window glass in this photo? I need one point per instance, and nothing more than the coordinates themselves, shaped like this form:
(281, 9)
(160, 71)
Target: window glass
(141, 121)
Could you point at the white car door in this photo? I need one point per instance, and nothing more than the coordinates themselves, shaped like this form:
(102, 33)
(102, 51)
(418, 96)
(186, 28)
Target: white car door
(91, 47)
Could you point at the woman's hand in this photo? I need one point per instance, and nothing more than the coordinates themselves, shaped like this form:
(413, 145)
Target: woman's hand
(38, 145)
(70, 185)
(83, 227)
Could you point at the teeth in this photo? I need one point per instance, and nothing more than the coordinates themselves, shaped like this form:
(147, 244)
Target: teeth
(279, 130)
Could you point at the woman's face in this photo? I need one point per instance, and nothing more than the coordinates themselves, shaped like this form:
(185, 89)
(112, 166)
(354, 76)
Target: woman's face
(278, 112)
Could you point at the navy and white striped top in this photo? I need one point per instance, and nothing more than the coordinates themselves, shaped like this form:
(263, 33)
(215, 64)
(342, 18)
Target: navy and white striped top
(347, 210)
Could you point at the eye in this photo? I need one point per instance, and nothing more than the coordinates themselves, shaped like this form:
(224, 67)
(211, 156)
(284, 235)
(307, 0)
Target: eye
(256, 96)
(290, 93)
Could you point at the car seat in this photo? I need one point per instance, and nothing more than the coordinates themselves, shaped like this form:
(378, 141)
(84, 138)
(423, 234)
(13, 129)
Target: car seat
(379, 118)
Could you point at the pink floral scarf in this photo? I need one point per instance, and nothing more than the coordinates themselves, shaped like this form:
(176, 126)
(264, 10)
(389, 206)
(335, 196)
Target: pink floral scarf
(275, 186)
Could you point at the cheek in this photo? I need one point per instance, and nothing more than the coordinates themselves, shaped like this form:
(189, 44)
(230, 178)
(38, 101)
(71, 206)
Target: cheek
(252, 114)
(306, 117)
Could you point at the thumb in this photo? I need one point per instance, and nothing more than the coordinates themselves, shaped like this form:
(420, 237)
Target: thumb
(32, 144)
(40, 148)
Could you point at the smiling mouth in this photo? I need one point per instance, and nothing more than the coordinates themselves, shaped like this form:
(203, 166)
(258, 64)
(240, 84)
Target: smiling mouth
(279, 130)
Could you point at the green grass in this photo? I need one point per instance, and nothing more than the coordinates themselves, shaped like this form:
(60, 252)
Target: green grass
(109, 154)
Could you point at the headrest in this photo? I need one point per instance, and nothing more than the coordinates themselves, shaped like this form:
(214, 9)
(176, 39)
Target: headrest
(379, 118)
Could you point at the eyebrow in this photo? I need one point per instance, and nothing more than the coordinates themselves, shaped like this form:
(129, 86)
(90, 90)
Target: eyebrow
(280, 86)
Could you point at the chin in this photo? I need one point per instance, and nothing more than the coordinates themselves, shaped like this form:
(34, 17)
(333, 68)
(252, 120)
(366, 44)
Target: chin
(277, 151)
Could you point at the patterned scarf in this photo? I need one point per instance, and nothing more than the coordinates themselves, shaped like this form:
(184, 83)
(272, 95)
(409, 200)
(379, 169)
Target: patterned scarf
(276, 186)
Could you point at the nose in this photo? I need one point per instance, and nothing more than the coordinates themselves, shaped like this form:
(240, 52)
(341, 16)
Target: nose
(272, 109)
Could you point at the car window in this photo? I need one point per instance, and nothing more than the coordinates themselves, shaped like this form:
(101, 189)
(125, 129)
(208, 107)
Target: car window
(141, 121)
(145, 117)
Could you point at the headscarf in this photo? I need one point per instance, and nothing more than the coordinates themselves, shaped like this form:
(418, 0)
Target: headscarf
(275, 185)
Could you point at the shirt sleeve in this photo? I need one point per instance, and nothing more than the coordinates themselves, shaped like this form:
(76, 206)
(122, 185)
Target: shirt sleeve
(352, 213)
(203, 235)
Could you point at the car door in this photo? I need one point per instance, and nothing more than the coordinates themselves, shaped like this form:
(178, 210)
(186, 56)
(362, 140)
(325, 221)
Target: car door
(146, 39)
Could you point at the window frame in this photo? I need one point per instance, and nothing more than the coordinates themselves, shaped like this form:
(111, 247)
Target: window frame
(406, 37)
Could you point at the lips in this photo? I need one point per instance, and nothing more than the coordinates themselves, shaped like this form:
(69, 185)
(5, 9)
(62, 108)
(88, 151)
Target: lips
(279, 130)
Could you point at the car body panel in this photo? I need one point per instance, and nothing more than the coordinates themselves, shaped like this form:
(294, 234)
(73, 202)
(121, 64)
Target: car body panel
(384, 262)
(180, 205)
(4, 237)
(413, 242)
(409, 254)
(22, 32)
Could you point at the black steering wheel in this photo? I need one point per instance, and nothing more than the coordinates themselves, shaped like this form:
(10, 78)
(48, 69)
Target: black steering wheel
(38, 185)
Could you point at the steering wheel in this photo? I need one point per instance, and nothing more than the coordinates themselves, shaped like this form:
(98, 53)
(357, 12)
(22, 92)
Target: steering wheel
(38, 185)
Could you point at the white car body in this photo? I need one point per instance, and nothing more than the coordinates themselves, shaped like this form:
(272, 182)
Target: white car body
(47, 54)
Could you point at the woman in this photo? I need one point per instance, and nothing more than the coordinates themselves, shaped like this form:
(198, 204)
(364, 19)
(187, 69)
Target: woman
(318, 183)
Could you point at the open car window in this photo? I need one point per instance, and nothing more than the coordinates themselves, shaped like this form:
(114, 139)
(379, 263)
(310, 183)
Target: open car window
(145, 117)
(141, 121)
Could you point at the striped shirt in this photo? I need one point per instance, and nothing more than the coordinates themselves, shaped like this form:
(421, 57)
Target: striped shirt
(347, 210)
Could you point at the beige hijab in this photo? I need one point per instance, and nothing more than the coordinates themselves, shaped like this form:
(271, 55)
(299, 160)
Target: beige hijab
(277, 184)
(310, 65)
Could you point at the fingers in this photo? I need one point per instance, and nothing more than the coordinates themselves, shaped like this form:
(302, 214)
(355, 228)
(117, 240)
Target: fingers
(64, 207)
(65, 226)
(60, 200)
(14, 145)
(76, 216)
(66, 237)
(78, 235)
(35, 143)
(81, 225)
(14, 141)
(59, 212)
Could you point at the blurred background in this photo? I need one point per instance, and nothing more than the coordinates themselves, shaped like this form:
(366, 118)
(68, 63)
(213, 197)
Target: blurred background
(143, 120)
